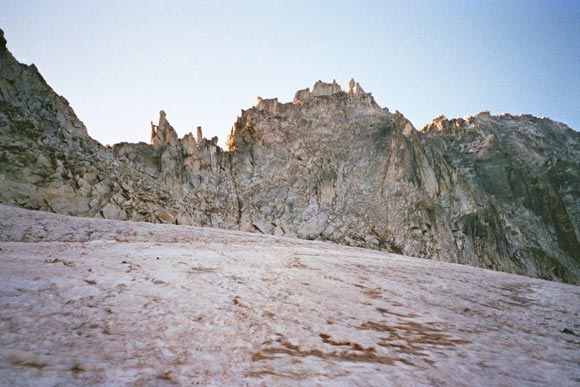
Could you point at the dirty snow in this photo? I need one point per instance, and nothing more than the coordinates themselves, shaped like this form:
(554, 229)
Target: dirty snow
(87, 301)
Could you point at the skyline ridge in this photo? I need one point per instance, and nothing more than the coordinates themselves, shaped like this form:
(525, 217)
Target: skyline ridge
(119, 64)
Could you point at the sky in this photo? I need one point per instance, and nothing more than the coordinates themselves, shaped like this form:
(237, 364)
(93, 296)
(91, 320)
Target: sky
(120, 62)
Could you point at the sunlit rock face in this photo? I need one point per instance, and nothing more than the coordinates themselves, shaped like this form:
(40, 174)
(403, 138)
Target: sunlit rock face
(499, 192)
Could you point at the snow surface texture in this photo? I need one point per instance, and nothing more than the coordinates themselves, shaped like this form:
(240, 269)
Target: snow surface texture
(87, 301)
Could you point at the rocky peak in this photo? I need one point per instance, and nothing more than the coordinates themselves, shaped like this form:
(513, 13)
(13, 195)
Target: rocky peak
(26, 96)
(322, 89)
(189, 144)
(163, 133)
(198, 134)
(270, 121)
(302, 95)
(442, 123)
(498, 192)
(354, 88)
(269, 105)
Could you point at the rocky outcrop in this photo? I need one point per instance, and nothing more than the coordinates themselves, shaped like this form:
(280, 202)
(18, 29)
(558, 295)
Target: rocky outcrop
(528, 171)
(499, 192)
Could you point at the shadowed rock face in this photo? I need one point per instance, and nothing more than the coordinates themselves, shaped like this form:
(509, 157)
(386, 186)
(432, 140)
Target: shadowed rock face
(498, 192)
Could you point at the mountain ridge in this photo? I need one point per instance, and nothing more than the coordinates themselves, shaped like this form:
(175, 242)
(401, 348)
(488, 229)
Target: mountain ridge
(500, 192)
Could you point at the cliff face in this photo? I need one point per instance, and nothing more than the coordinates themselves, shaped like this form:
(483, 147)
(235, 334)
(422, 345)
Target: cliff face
(498, 192)
(528, 170)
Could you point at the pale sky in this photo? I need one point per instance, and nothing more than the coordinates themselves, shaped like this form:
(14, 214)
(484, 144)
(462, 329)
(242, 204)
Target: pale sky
(120, 62)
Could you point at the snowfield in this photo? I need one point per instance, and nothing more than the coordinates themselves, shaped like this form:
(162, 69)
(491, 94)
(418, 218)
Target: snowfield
(87, 301)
